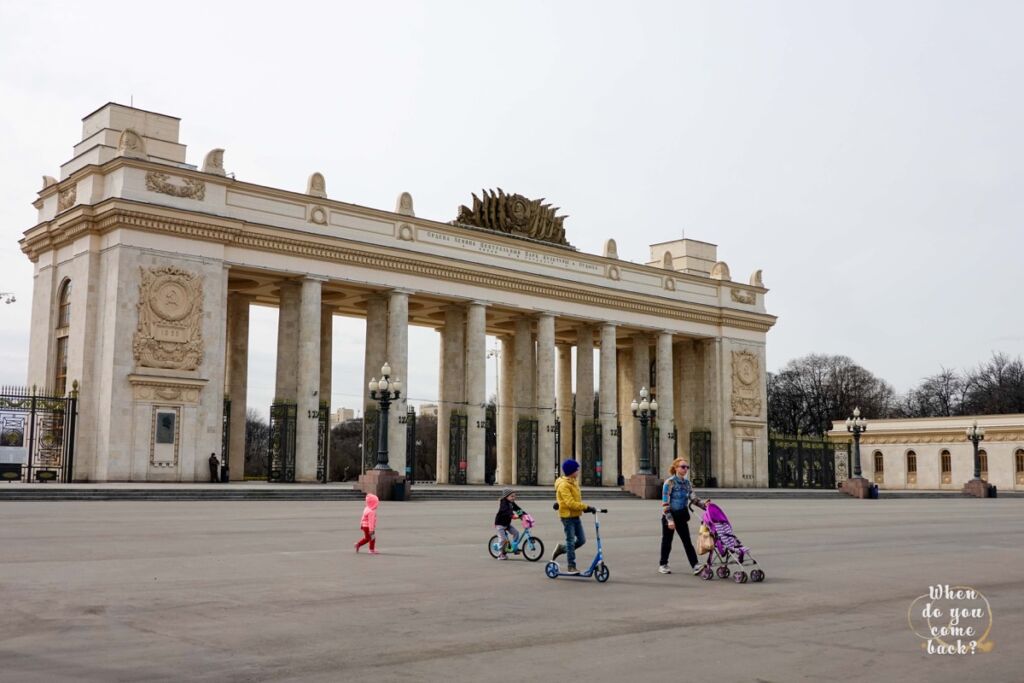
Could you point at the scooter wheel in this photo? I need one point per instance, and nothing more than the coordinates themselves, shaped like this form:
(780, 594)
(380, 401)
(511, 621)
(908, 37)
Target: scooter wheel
(602, 573)
(551, 569)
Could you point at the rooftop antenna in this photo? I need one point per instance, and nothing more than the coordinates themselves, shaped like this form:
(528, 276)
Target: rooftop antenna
(131, 100)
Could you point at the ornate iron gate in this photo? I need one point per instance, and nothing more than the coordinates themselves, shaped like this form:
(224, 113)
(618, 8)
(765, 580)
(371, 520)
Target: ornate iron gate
(458, 437)
(490, 444)
(558, 445)
(591, 465)
(323, 444)
(370, 434)
(618, 453)
(700, 459)
(526, 452)
(410, 444)
(654, 443)
(39, 431)
(225, 438)
(801, 462)
(281, 456)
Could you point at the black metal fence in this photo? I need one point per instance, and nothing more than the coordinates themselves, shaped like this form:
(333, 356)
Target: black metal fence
(801, 462)
(527, 440)
(281, 457)
(458, 445)
(591, 465)
(700, 460)
(37, 434)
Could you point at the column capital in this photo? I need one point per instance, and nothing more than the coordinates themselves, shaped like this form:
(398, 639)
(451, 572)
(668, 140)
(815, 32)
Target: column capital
(316, 278)
(399, 290)
(477, 302)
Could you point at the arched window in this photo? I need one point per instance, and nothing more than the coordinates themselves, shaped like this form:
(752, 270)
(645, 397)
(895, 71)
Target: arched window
(879, 462)
(983, 461)
(911, 467)
(60, 364)
(64, 305)
(946, 462)
(1018, 466)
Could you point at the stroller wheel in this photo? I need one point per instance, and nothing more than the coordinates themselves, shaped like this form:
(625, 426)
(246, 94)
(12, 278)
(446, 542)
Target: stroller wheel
(723, 572)
(756, 575)
(740, 577)
(706, 573)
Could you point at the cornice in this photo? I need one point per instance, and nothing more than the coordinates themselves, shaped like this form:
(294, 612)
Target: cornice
(380, 214)
(114, 213)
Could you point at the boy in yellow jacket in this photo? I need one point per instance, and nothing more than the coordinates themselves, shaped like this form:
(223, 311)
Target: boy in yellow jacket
(570, 507)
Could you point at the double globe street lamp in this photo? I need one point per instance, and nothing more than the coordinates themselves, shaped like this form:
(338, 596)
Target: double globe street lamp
(856, 425)
(385, 390)
(976, 434)
(645, 411)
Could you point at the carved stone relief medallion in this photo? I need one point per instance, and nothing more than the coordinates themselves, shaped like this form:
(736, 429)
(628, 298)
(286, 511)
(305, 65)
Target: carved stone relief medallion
(169, 334)
(746, 385)
(189, 189)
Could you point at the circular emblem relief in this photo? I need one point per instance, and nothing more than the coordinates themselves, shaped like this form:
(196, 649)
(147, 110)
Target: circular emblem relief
(170, 300)
(747, 371)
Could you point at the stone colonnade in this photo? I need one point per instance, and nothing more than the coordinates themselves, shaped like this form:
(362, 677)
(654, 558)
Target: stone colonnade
(535, 385)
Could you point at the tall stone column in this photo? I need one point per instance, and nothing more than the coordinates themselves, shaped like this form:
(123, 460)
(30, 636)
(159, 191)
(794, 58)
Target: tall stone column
(609, 407)
(546, 456)
(307, 424)
(476, 389)
(641, 380)
(397, 356)
(666, 404)
(452, 389)
(584, 383)
(444, 411)
(238, 382)
(506, 412)
(565, 400)
(287, 341)
(525, 394)
(375, 350)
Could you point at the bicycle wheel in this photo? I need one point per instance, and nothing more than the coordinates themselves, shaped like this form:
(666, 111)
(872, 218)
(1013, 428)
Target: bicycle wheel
(494, 546)
(532, 548)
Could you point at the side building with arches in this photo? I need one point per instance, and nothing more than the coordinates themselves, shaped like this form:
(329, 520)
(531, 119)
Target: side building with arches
(935, 454)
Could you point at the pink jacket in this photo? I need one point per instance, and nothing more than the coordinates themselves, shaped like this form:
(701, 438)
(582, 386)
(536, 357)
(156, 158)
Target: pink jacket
(369, 520)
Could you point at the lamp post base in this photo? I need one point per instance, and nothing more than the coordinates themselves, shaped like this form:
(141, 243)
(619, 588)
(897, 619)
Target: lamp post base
(858, 487)
(979, 488)
(381, 483)
(644, 486)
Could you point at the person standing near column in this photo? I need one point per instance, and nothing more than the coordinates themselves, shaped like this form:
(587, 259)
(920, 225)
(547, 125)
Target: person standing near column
(213, 468)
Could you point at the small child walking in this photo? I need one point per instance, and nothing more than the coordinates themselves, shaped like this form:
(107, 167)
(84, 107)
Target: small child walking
(507, 510)
(369, 524)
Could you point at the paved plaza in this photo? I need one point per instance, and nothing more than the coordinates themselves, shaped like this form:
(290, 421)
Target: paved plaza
(250, 591)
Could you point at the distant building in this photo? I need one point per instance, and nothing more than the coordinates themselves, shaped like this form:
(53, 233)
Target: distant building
(934, 452)
(342, 415)
(427, 409)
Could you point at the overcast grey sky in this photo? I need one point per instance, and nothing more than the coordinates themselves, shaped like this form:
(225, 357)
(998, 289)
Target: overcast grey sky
(867, 155)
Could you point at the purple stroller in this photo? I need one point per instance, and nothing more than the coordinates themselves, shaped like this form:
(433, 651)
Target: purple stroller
(727, 549)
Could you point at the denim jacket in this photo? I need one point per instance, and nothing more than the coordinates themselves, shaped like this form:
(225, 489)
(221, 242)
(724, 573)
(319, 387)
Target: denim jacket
(675, 494)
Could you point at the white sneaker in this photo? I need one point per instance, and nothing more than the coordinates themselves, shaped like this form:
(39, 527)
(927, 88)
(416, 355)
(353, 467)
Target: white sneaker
(697, 569)
(664, 569)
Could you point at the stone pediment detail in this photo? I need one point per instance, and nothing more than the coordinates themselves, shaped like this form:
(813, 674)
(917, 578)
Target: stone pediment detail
(190, 189)
(169, 334)
(514, 214)
(746, 384)
(743, 297)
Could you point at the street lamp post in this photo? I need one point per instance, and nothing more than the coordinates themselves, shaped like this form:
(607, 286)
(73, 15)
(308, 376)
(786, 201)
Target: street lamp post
(645, 411)
(856, 425)
(976, 434)
(384, 391)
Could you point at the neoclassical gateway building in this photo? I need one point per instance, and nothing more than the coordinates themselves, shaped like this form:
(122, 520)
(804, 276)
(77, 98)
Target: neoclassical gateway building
(146, 267)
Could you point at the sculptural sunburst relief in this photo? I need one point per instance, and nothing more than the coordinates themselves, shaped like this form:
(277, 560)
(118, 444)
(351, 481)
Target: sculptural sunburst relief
(516, 215)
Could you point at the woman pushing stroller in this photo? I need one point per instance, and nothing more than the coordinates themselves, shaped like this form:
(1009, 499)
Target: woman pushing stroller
(676, 495)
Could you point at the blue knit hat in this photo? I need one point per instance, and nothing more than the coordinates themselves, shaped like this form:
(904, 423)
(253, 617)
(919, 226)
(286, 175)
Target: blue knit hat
(569, 466)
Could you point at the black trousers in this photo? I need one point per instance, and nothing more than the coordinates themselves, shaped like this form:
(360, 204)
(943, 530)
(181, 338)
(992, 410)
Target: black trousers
(213, 474)
(680, 517)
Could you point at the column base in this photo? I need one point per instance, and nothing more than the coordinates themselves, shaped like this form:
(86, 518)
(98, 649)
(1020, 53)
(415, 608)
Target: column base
(979, 488)
(858, 487)
(644, 486)
(381, 483)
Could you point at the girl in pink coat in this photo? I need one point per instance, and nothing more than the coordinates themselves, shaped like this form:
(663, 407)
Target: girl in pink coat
(369, 524)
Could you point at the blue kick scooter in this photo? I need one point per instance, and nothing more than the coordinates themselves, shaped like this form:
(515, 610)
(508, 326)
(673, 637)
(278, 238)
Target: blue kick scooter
(598, 569)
